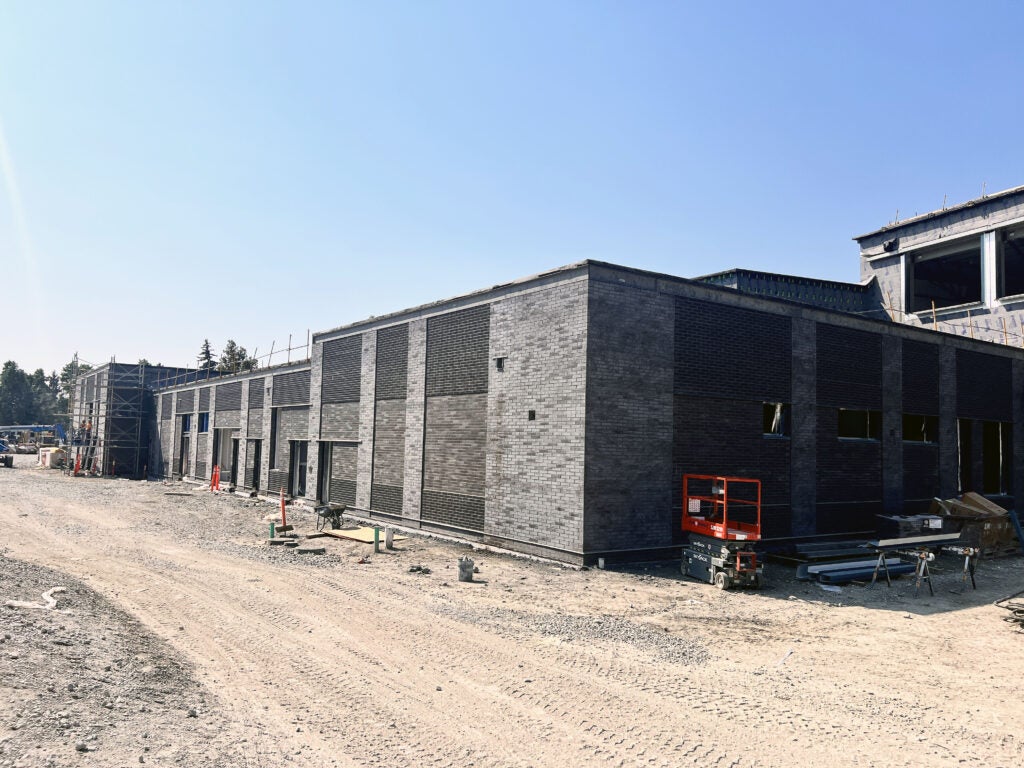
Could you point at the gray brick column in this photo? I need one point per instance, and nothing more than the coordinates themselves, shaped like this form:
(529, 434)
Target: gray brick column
(415, 404)
(175, 440)
(367, 411)
(243, 433)
(892, 424)
(804, 440)
(268, 399)
(212, 459)
(949, 464)
(313, 458)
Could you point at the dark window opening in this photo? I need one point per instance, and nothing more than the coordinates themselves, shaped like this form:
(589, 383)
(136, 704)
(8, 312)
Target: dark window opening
(945, 280)
(920, 429)
(965, 455)
(204, 422)
(531, 415)
(186, 423)
(1011, 263)
(775, 419)
(499, 363)
(997, 457)
(298, 450)
(860, 425)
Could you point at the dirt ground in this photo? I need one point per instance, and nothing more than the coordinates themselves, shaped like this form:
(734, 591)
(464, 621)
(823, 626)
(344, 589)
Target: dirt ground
(184, 639)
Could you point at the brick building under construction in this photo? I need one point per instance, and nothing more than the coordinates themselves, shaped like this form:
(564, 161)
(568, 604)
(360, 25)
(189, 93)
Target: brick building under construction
(556, 415)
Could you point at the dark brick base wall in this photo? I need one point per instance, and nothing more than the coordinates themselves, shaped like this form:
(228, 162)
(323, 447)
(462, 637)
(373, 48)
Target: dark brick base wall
(453, 509)
(343, 491)
(385, 498)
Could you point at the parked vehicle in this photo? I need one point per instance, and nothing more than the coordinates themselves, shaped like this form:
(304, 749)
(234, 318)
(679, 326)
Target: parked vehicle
(6, 455)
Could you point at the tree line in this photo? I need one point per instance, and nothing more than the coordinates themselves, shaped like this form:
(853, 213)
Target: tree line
(41, 398)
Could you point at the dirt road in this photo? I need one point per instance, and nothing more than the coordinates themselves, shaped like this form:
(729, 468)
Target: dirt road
(224, 651)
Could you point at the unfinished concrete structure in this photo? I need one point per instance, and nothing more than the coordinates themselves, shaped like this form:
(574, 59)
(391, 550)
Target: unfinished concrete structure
(958, 270)
(116, 401)
(555, 415)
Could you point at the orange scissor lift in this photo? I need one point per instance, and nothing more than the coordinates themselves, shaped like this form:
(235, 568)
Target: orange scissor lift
(722, 518)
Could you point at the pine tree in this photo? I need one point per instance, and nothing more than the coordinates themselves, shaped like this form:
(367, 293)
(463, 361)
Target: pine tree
(235, 358)
(206, 359)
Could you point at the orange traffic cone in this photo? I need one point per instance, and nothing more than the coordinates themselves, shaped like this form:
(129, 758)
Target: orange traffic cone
(284, 519)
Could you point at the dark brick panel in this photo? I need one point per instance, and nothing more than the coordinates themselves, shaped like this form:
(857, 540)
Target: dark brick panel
(848, 470)
(386, 499)
(741, 450)
(277, 481)
(457, 352)
(229, 397)
(342, 367)
(90, 389)
(849, 367)
(204, 399)
(186, 402)
(256, 391)
(848, 517)
(343, 491)
(291, 388)
(920, 473)
(920, 377)
(731, 352)
(165, 407)
(983, 386)
(453, 509)
(392, 362)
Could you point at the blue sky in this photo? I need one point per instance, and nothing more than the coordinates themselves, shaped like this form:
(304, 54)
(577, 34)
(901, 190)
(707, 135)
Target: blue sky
(176, 171)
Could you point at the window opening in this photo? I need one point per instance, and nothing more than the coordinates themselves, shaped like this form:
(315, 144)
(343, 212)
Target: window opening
(1011, 263)
(947, 276)
(965, 455)
(204, 422)
(775, 419)
(186, 422)
(920, 428)
(860, 425)
(996, 457)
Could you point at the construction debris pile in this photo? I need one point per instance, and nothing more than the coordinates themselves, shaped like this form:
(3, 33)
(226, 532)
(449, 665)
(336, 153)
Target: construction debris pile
(981, 523)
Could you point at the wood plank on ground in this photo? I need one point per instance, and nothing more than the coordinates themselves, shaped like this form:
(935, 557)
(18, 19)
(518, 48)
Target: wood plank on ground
(365, 535)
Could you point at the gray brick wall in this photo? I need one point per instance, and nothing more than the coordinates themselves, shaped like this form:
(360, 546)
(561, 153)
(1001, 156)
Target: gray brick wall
(368, 378)
(455, 444)
(339, 421)
(535, 469)
(388, 457)
(227, 420)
